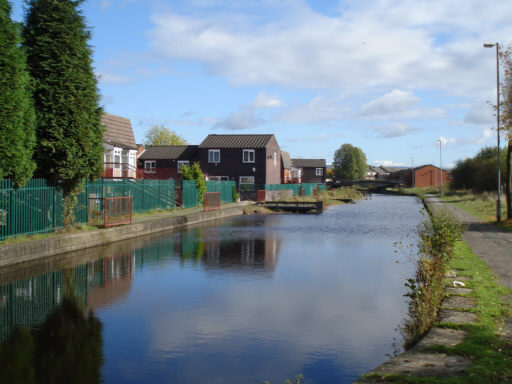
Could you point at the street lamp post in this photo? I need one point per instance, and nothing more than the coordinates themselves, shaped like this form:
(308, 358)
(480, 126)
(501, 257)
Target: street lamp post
(440, 168)
(498, 202)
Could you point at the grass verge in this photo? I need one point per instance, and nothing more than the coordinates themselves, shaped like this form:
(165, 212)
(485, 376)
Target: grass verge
(484, 345)
(480, 205)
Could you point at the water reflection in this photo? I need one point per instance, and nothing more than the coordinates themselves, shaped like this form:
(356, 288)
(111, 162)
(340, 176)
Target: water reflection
(242, 300)
(27, 303)
(66, 347)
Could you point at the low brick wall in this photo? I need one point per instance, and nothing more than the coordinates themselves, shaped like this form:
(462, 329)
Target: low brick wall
(11, 254)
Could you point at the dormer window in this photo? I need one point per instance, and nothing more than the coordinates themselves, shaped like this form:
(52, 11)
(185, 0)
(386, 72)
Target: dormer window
(248, 156)
(214, 155)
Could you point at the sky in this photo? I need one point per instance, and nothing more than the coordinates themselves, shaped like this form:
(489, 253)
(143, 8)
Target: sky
(393, 77)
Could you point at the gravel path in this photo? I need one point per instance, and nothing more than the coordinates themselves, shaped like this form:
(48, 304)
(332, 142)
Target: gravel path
(490, 243)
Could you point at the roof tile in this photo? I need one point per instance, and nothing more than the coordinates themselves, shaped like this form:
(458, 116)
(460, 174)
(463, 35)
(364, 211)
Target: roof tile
(236, 141)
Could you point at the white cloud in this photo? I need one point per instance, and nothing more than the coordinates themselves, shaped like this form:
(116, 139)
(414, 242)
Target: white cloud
(265, 101)
(393, 102)
(240, 120)
(446, 141)
(394, 130)
(431, 44)
(319, 109)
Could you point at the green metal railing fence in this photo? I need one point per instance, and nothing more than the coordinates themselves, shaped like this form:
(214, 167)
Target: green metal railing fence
(283, 187)
(270, 187)
(38, 207)
(190, 194)
(224, 187)
(308, 188)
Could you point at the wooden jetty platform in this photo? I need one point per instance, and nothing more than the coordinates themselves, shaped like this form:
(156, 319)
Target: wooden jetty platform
(295, 206)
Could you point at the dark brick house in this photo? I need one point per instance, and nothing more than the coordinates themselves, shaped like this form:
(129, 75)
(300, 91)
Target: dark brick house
(164, 162)
(312, 170)
(245, 159)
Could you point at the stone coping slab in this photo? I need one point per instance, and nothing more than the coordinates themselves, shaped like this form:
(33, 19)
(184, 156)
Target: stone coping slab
(456, 317)
(440, 336)
(458, 302)
(420, 364)
(458, 291)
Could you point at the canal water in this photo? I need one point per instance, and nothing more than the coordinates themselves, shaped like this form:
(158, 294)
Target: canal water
(242, 300)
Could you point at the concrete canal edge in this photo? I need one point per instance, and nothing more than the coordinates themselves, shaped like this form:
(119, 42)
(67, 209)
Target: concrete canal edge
(11, 254)
(418, 361)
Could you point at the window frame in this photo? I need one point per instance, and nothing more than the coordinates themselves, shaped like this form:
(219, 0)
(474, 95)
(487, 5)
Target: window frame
(249, 152)
(244, 177)
(181, 163)
(211, 156)
(321, 172)
(150, 166)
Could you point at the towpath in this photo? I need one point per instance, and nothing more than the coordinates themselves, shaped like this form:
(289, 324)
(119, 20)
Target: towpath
(491, 243)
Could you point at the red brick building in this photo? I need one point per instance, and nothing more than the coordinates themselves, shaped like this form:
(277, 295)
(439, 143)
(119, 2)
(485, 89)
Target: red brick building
(424, 176)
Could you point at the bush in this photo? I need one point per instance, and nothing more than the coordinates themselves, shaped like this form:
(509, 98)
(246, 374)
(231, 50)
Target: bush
(193, 172)
(437, 238)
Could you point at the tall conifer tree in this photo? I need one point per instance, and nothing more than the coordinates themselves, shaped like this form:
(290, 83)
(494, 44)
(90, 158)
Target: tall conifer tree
(69, 134)
(17, 119)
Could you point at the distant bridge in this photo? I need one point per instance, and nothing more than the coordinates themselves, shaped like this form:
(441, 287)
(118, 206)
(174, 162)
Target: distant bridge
(374, 185)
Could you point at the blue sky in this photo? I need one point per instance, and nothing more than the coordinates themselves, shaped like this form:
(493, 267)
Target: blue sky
(389, 76)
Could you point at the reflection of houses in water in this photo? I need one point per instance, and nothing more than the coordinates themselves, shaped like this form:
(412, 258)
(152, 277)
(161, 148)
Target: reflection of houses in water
(27, 302)
(251, 253)
(109, 279)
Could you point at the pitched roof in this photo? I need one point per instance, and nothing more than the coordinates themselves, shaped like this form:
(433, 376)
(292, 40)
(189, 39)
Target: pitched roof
(236, 141)
(170, 152)
(308, 163)
(118, 131)
(287, 162)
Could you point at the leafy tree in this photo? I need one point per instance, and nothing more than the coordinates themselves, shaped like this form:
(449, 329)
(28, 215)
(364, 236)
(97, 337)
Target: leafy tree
(506, 122)
(479, 172)
(159, 135)
(193, 172)
(349, 162)
(69, 144)
(17, 118)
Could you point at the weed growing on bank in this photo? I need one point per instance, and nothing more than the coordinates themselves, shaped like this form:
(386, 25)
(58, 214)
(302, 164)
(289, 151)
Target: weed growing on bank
(437, 239)
(485, 343)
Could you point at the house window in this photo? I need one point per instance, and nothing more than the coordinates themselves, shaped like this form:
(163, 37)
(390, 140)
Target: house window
(150, 166)
(319, 171)
(248, 156)
(181, 163)
(214, 156)
(218, 178)
(275, 159)
(246, 183)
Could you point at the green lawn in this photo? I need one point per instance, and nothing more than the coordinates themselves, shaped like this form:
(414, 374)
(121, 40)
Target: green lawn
(482, 206)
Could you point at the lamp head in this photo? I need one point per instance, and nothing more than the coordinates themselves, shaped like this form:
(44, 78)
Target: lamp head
(489, 45)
